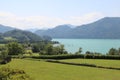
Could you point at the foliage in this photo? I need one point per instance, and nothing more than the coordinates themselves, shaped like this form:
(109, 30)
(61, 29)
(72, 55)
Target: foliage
(88, 52)
(3, 53)
(15, 48)
(40, 46)
(74, 56)
(55, 50)
(7, 73)
(4, 58)
(114, 51)
(48, 48)
(62, 56)
(79, 51)
(35, 48)
(22, 36)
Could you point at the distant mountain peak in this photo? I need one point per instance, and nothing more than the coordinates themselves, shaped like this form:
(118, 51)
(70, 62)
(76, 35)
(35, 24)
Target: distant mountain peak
(21, 35)
(4, 28)
(110, 18)
(63, 25)
(105, 28)
(32, 29)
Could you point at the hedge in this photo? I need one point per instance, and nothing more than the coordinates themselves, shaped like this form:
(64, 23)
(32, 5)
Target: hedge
(72, 56)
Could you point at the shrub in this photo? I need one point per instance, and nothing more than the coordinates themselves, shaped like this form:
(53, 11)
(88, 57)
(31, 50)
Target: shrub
(114, 51)
(4, 57)
(15, 48)
(62, 56)
(6, 60)
(7, 73)
(72, 56)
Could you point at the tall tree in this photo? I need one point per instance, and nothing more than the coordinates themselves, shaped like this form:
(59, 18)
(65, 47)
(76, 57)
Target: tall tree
(15, 48)
(113, 51)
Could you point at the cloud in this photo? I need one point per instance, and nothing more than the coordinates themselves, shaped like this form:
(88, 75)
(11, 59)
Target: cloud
(45, 22)
(87, 18)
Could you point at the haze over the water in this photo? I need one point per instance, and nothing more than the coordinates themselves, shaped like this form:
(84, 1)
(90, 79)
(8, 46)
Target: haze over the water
(25, 14)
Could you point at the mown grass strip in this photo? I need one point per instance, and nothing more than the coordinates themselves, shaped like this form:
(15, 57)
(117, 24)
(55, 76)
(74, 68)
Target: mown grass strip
(82, 64)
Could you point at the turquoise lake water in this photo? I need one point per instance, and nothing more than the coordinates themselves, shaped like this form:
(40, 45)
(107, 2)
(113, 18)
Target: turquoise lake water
(93, 45)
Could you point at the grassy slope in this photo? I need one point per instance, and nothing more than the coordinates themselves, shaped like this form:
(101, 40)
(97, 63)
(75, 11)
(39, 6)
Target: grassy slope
(41, 70)
(2, 44)
(98, 62)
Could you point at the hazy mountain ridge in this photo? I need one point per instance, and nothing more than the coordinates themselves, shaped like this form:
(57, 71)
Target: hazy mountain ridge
(22, 35)
(5, 28)
(32, 30)
(58, 31)
(105, 28)
(7, 32)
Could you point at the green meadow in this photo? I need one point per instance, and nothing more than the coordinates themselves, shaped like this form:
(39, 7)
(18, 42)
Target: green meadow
(97, 62)
(42, 70)
(2, 45)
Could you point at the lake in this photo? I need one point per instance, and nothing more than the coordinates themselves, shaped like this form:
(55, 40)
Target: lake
(93, 45)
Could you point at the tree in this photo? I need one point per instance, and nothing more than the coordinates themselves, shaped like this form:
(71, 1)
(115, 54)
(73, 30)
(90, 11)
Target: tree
(62, 50)
(79, 51)
(56, 50)
(4, 58)
(119, 51)
(88, 52)
(35, 48)
(15, 48)
(49, 49)
(112, 51)
(3, 52)
(38, 47)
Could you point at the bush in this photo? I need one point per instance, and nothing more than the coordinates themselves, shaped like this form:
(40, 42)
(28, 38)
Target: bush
(114, 51)
(6, 60)
(4, 56)
(15, 48)
(73, 56)
(13, 74)
(35, 48)
(62, 56)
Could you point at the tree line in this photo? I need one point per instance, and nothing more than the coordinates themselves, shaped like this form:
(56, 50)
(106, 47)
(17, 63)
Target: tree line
(43, 48)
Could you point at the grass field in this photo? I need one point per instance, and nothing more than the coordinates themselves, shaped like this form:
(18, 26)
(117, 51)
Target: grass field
(2, 44)
(41, 70)
(98, 62)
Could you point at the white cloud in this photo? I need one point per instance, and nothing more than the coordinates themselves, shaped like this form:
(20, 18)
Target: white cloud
(45, 21)
(87, 18)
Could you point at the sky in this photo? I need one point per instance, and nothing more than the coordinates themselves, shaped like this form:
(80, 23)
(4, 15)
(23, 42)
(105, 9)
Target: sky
(44, 14)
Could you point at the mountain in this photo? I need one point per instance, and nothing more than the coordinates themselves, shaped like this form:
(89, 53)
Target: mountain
(32, 30)
(1, 37)
(5, 28)
(57, 32)
(22, 35)
(105, 28)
